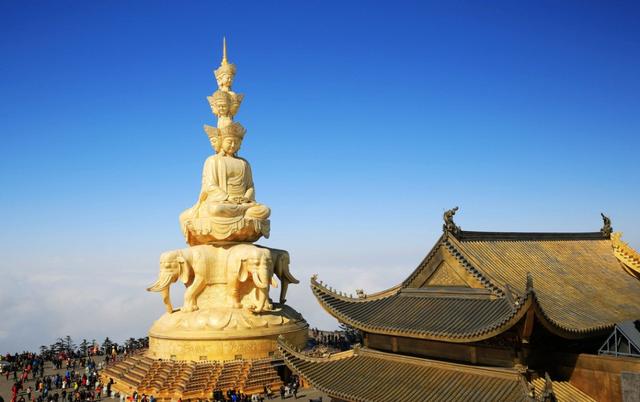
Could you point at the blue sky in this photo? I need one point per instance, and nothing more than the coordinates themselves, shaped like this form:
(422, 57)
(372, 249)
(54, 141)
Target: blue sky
(365, 122)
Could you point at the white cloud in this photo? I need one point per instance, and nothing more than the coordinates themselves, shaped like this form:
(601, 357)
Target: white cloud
(92, 298)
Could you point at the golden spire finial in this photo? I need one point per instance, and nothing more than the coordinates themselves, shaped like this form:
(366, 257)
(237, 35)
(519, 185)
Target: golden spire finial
(225, 73)
(224, 50)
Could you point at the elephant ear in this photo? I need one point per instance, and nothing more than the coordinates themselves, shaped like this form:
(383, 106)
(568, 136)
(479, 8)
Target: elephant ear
(243, 272)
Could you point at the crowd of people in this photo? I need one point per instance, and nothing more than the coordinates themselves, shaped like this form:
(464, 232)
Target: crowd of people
(72, 377)
(76, 378)
(323, 342)
(78, 382)
(287, 390)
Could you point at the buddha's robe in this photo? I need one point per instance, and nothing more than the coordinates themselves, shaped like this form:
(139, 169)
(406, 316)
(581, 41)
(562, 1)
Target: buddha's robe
(215, 214)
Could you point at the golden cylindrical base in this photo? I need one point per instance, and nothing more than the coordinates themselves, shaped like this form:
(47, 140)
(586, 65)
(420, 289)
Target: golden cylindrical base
(223, 349)
(225, 334)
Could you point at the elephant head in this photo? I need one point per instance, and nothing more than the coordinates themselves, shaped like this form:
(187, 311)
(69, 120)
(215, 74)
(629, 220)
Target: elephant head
(281, 269)
(173, 266)
(257, 262)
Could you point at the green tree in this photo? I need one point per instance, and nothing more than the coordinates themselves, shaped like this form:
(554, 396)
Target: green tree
(130, 343)
(107, 345)
(352, 334)
(84, 347)
(58, 346)
(69, 346)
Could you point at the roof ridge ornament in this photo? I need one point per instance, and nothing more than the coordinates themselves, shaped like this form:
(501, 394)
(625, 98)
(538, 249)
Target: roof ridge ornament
(449, 225)
(547, 391)
(529, 287)
(509, 295)
(607, 229)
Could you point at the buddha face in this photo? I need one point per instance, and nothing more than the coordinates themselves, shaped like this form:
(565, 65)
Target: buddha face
(230, 145)
(225, 80)
(222, 107)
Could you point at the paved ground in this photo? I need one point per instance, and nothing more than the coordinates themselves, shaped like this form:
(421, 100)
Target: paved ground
(305, 395)
(5, 389)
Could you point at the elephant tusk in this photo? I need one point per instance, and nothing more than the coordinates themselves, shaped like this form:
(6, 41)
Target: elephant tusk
(163, 281)
(257, 281)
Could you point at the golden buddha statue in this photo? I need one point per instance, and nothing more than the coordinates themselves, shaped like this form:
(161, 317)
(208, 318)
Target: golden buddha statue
(226, 209)
(227, 310)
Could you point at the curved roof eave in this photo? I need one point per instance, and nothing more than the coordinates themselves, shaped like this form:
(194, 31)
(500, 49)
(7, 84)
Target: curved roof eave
(520, 308)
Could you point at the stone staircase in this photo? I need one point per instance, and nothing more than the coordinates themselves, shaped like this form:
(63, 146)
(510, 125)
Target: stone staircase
(203, 380)
(168, 379)
(260, 374)
(230, 375)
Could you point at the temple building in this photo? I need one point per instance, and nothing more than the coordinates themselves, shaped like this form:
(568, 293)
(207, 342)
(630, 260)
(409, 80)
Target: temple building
(491, 316)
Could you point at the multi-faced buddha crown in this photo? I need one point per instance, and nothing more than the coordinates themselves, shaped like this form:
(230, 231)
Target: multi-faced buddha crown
(224, 103)
(216, 135)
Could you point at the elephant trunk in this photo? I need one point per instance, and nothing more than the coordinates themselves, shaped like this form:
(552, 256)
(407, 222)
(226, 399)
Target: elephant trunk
(162, 285)
(165, 279)
(283, 292)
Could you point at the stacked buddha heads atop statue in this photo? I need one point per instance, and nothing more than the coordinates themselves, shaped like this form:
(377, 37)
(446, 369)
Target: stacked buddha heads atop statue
(226, 210)
(226, 307)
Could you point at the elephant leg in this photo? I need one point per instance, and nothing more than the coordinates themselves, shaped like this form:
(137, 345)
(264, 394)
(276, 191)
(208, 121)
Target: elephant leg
(191, 294)
(167, 300)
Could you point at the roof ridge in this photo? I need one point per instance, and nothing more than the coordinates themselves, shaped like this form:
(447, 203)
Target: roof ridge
(464, 259)
(363, 298)
(424, 261)
(625, 253)
(468, 235)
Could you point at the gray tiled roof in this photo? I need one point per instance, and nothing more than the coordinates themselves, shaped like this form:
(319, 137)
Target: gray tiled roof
(580, 289)
(424, 316)
(367, 375)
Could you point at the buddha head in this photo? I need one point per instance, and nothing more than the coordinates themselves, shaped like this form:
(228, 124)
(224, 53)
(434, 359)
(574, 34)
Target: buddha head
(221, 103)
(224, 76)
(230, 139)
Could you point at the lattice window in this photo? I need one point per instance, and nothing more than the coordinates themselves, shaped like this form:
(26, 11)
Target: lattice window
(619, 344)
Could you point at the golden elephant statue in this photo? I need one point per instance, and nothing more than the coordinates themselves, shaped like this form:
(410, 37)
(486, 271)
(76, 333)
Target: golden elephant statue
(203, 265)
